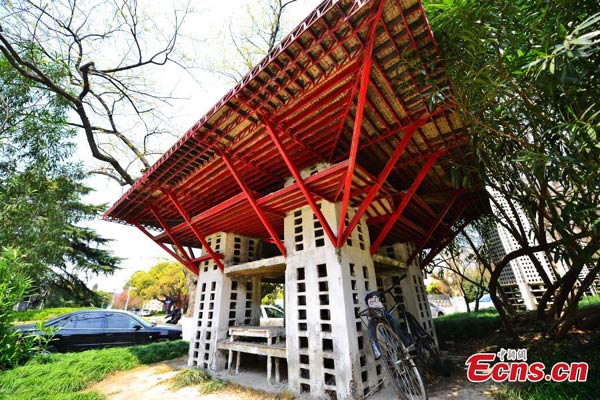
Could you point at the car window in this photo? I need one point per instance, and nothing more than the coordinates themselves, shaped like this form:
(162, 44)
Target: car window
(89, 321)
(273, 312)
(120, 321)
(66, 323)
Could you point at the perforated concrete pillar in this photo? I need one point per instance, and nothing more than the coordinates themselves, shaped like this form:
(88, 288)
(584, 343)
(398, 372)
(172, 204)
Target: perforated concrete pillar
(327, 346)
(222, 302)
(412, 288)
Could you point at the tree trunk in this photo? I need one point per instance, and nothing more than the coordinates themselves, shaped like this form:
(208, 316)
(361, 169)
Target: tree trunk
(569, 316)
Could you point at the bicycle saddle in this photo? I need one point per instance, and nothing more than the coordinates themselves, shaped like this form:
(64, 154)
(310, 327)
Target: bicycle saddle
(375, 299)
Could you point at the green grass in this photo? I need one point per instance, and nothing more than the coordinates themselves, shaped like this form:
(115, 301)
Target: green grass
(589, 301)
(567, 352)
(45, 314)
(64, 376)
(473, 325)
(476, 325)
(197, 378)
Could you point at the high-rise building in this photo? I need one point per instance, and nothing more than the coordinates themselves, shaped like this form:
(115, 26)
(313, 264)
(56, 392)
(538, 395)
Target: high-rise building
(520, 279)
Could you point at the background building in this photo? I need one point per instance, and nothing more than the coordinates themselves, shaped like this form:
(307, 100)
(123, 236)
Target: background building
(520, 279)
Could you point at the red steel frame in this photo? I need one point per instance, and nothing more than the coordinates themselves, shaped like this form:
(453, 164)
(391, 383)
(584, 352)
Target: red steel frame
(405, 199)
(380, 181)
(254, 205)
(296, 174)
(440, 246)
(434, 226)
(191, 266)
(362, 95)
(197, 233)
(291, 129)
(188, 260)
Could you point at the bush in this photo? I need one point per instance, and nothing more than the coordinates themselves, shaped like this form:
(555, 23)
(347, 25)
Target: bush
(13, 285)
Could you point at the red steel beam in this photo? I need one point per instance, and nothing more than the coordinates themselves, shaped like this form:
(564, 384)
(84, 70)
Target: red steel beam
(207, 257)
(434, 252)
(362, 95)
(196, 232)
(189, 264)
(167, 230)
(296, 174)
(435, 225)
(254, 205)
(240, 197)
(405, 199)
(366, 203)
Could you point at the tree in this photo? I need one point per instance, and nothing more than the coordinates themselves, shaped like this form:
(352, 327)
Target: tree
(459, 265)
(251, 38)
(135, 301)
(102, 48)
(165, 282)
(40, 193)
(525, 80)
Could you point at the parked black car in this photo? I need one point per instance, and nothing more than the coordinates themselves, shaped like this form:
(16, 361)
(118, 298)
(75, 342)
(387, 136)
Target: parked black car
(92, 329)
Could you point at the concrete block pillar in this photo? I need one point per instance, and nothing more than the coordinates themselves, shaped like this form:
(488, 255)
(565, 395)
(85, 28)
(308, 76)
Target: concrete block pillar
(328, 349)
(412, 288)
(222, 302)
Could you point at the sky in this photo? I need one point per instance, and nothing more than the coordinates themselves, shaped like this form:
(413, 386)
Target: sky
(196, 90)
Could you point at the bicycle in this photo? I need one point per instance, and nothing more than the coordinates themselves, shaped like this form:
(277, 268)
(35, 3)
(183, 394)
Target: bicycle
(406, 352)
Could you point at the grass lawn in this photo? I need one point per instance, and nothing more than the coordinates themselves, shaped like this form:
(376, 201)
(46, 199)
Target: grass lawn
(550, 354)
(483, 330)
(589, 301)
(462, 326)
(45, 314)
(64, 376)
(479, 324)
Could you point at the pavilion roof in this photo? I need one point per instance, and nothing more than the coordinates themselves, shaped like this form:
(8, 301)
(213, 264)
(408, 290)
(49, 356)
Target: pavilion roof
(306, 90)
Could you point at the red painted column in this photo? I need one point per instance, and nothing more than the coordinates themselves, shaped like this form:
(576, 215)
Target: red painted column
(296, 174)
(362, 95)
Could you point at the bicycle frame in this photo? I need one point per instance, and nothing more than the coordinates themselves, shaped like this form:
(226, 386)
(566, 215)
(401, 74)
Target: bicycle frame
(405, 336)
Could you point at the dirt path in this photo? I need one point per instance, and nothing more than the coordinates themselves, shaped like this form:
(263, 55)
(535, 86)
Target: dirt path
(151, 382)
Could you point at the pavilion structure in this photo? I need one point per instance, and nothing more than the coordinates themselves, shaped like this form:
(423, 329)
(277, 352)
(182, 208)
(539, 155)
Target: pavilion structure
(328, 168)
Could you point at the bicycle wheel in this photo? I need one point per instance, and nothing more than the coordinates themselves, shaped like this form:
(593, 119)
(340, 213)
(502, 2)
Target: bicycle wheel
(402, 372)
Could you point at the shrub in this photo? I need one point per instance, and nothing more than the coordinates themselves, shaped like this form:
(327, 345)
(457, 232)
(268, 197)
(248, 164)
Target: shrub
(13, 285)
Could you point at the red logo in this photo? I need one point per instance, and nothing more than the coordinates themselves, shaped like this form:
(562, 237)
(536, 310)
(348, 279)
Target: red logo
(481, 368)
